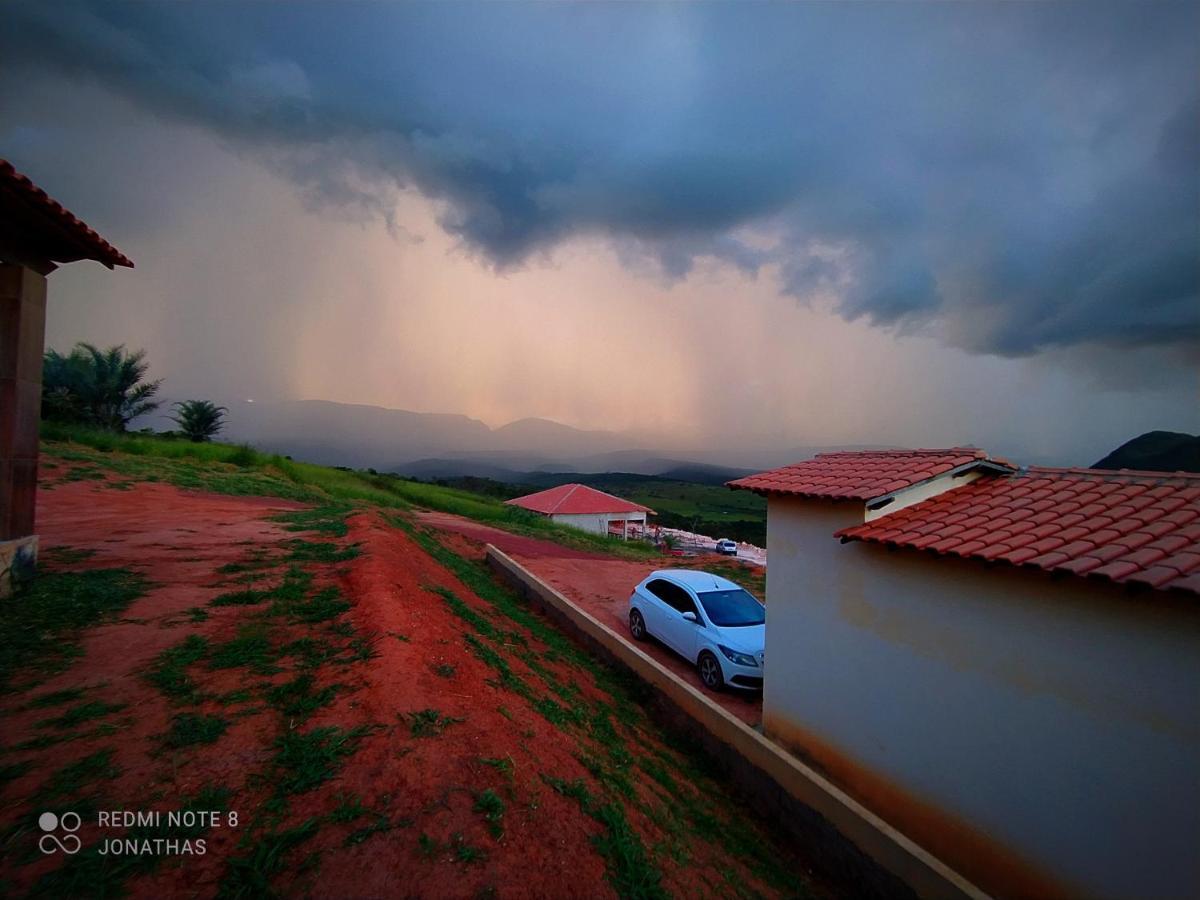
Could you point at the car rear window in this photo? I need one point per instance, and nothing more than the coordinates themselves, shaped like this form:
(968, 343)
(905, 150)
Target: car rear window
(731, 609)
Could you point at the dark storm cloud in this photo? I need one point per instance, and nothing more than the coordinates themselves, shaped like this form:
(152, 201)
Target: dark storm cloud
(1019, 176)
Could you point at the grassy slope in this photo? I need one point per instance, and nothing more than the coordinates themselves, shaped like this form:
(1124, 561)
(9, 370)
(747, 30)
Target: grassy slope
(229, 469)
(279, 590)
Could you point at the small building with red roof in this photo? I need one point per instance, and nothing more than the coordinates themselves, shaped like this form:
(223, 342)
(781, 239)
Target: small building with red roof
(1002, 662)
(586, 508)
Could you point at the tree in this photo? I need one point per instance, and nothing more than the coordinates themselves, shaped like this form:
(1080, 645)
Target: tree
(199, 420)
(102, 388)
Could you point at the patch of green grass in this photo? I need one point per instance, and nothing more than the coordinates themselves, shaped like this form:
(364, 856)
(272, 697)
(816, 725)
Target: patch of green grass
(13, 771)
(298, 699)
(310, 653)
(429, 722)
(190, 729)
(250, 648)
(246, 597)
(54, 698)
(320, 552)
(305, 760)
(83, 712)
(329, 519)
(444, 670)
(491, 806)
(197, 614)
(380, 825)
(251, 874)
(322, 606)
(41, 623)
(69, 781)
(349, 808)
(169, 673)
(631, 872)
(464, 852)
(502, 763)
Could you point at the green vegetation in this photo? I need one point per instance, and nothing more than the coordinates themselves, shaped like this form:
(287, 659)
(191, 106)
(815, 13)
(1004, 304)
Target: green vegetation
(69, 781)
(306, 760)
(54, 698)
(84, 712)
(199, 420)
(188, 729)
(428, 722)
(249, 875)
(488, 803)
(227, 469)
(40, 624)
(100, 388)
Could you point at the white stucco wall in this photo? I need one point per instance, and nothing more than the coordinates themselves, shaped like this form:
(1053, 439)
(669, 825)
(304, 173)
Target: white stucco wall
(1058, 719)
(598, 523)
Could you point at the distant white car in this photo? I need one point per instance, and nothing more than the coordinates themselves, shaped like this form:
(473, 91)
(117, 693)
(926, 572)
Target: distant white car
(726, 546)
(706, 619)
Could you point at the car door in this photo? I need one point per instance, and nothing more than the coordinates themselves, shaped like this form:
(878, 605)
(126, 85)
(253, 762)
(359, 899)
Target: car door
(678, 633)
(655, 607)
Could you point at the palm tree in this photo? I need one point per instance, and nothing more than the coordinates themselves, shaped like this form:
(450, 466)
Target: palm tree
(103, 388)
(199, 420)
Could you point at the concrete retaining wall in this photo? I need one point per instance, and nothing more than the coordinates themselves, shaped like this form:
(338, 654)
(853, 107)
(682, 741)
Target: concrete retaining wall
(845, 839)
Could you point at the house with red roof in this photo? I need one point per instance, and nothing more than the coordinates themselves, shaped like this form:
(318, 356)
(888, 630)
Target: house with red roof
(1001, 662)
(585, 507)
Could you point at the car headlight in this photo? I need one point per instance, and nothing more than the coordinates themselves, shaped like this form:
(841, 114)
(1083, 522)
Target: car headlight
(742, 659)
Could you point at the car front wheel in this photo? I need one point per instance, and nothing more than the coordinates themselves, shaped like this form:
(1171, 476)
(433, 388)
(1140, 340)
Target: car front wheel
(637, 625)
(710, 671)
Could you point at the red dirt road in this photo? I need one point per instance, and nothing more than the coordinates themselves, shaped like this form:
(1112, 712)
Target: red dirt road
(600, 585)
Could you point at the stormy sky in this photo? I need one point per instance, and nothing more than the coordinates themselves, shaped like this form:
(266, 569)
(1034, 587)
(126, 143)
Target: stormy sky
(743, 226)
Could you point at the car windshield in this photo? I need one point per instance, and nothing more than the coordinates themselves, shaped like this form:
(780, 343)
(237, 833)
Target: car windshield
(731, 609)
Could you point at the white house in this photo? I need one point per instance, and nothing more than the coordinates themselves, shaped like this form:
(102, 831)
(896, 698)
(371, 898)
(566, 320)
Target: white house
(583, 507)
(1003, 663)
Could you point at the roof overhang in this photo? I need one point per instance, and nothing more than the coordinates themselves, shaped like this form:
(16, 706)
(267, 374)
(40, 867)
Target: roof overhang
(39, 232)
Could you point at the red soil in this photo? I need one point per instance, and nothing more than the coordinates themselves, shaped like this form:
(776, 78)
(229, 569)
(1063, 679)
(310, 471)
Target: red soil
(426, 786)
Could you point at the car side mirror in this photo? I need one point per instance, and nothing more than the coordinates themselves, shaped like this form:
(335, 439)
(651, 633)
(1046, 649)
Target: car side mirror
(691, 617)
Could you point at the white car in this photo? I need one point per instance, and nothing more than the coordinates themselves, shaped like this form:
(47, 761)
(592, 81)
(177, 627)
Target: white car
(707, 620)
(726, 547)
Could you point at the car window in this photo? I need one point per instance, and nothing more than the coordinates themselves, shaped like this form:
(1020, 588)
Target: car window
(659, 588)
(672, 595)
(730, 609)
(679, 599)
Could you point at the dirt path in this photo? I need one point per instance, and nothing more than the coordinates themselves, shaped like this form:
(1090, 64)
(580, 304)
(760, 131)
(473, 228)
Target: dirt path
(381, 716)
(600, 585)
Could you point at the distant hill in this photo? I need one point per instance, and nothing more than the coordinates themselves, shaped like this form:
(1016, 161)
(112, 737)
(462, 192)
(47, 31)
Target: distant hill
(1156, 451)
(624, 465)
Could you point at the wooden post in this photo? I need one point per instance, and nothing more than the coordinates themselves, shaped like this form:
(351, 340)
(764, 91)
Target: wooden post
(22, 332)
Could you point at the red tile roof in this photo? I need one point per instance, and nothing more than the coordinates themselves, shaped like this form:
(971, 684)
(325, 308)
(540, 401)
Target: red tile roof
(61, 236)
(862, 475)
(576, 499)
(1130, 527)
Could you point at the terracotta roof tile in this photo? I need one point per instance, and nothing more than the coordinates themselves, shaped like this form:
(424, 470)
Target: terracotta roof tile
(575, 499)
(1184, 563)
(1124, 526)
(863, 475)
(72, 238)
